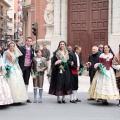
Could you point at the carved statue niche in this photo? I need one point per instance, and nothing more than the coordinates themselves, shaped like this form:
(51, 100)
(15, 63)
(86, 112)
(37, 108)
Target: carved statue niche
(49, 12)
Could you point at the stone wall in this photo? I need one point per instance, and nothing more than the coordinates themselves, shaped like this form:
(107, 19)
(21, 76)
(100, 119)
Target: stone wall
(39, 12)
(114, 24)
(34, 11)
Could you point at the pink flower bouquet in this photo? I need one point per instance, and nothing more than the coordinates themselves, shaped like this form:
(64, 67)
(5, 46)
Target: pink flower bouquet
(61, 64)
(58, 62)
(96, 65)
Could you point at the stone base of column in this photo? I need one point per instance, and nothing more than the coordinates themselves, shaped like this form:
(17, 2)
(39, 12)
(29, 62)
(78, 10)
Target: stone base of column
(49, 31)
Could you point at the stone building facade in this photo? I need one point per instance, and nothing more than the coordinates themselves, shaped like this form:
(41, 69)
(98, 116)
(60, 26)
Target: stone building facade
(4, 6)
(15, 20)
(98, 22)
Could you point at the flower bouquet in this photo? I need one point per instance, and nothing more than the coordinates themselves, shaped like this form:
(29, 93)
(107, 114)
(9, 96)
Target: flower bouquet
(41, 64)
(8, 70)
(58, 62)
(61, 64)
(97, 66)
(100, 66)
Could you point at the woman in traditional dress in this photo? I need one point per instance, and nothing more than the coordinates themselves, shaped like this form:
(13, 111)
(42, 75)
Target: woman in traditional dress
(60, 84)
(116, 66)
(15, 78)
(5, 93)
(104, 86)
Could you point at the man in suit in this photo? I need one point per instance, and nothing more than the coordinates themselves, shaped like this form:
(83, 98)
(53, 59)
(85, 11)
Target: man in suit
(74, 68)
(25, 61)
(92, 60)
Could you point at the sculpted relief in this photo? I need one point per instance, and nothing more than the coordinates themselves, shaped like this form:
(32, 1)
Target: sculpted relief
(49, 12)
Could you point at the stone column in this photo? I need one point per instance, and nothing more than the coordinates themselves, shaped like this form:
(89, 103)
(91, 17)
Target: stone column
(64, 20)
(56, 17)
(57, 25)
(114, 25)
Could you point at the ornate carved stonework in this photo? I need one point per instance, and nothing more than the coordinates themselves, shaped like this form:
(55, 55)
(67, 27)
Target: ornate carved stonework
(49, 12)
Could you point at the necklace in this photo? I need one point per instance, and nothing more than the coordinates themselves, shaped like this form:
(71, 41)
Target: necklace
(107, 57)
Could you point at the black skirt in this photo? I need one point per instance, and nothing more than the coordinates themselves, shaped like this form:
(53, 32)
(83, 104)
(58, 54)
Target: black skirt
(61, 83)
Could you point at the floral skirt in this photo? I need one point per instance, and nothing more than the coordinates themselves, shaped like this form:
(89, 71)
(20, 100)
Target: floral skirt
(5, 93)
(104, 87)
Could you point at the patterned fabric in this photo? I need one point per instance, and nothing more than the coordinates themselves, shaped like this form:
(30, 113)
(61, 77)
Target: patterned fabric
(39, 63)
(116, 65)
(15, 81)
(103, 87)
(5, 93)
(106, 60)
(60, 56)
(27, 58)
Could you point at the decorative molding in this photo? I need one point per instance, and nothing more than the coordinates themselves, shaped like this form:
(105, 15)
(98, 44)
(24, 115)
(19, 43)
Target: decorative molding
(49, 12)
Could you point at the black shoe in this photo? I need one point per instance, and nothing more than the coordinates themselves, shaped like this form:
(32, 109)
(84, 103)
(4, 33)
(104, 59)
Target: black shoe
(28, 101)
(98, 100)
(105, 103)
(73, 101)
(63, 101)
(80, 74)
(90, 99)
(78, 100)
(59, 102)
(118, 105)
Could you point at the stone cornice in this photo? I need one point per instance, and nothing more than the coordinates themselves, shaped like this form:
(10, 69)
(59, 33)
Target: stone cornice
(6, 3)
(28, 7)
